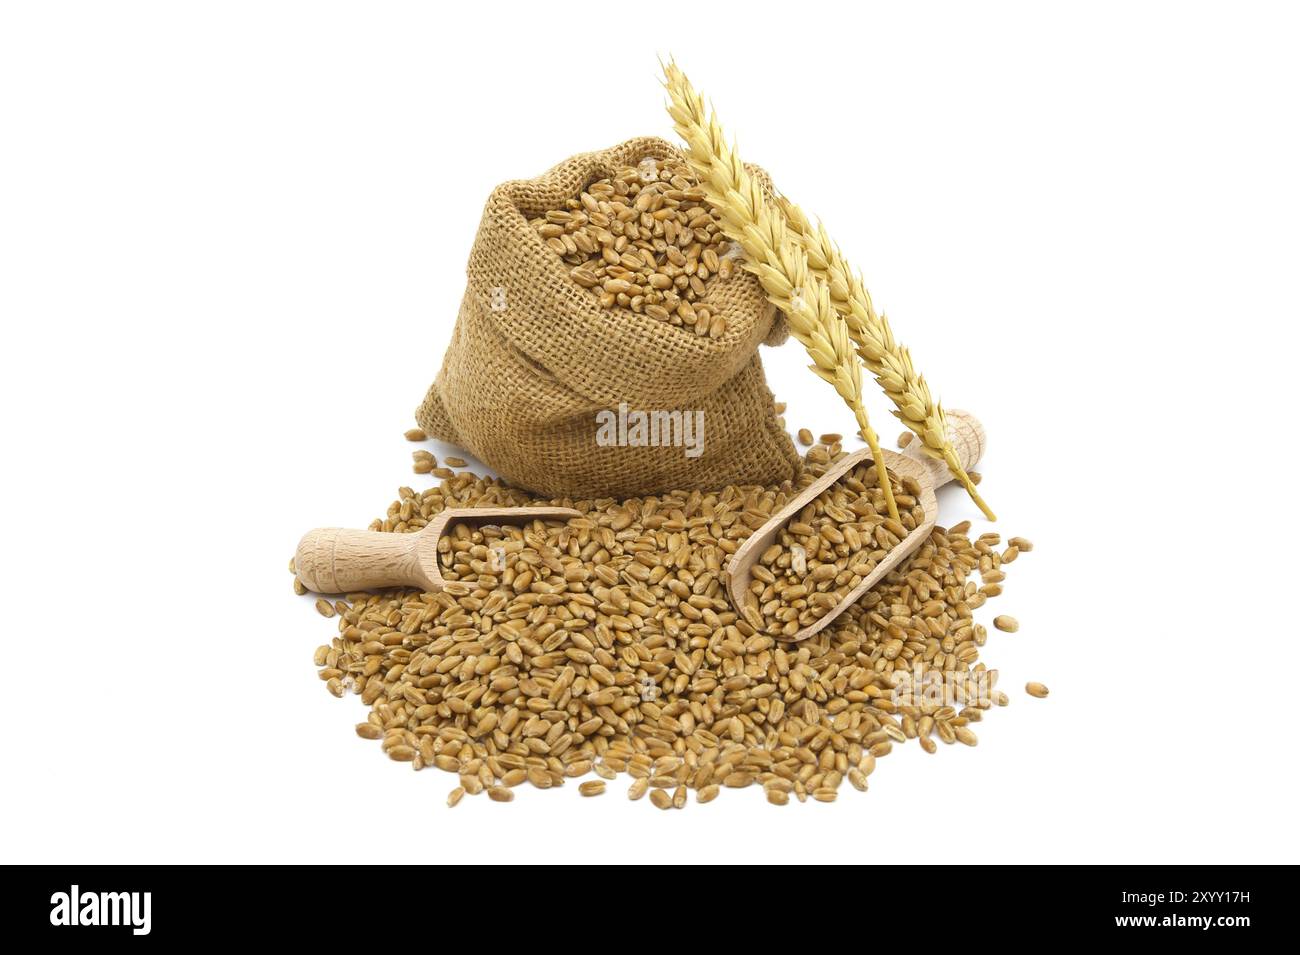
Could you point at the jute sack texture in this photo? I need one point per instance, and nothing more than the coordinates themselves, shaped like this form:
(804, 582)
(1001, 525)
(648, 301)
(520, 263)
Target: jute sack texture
(534, 358)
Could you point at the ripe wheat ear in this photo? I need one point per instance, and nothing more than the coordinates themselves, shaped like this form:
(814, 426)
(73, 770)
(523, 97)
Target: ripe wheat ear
(772, 254)
(890, 362)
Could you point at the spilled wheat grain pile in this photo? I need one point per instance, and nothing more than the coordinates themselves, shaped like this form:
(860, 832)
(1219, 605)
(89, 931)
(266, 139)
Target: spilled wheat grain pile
(606, 645)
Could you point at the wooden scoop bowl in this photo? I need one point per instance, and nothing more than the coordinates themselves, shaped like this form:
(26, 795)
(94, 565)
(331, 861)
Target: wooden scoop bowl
(968, 440)
(332, 560)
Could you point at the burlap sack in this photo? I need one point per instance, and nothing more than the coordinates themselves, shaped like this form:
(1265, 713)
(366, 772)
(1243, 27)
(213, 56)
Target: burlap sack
(528, 371)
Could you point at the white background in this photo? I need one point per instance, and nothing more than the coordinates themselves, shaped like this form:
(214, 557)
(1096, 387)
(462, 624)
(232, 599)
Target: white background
(232, 241)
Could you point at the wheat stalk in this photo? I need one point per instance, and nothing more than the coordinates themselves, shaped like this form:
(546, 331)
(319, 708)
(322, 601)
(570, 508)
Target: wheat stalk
(773, 255)
(890, 362)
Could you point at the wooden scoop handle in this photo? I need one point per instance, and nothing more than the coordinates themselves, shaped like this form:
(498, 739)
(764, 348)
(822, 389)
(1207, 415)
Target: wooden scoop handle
(968, 439)
(334, 560)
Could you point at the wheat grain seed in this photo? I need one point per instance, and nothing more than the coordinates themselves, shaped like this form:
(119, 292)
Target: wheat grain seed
(1036, 689)
(416, 434)
(594, 787)
(1005, 623)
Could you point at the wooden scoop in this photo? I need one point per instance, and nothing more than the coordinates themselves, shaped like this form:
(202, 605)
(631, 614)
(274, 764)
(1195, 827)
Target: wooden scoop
(968, 440)
(332, 560)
